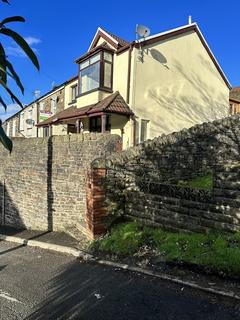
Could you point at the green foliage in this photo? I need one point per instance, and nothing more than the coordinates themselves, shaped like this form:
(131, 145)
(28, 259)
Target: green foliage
(217, 252)
(204, 182)
(124, 239)
(7, 70)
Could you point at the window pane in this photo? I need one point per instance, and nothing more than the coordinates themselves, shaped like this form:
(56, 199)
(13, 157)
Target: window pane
(107, 75)
(108, 56)
(74, 93)
(144, 124)
(89, 78)
(84, 64)
(21, 121)
(95, 58)
(42, 106)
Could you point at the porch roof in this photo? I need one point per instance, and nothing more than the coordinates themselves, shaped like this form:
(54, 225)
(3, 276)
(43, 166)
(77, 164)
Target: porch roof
(111, 104)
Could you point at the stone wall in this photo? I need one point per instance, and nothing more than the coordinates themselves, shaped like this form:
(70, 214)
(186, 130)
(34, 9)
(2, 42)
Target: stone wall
(184, 154)
(141, 182)
(43, 182)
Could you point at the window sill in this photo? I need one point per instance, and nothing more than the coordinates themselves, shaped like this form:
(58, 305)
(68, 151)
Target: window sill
(94, 90)
(72, 102)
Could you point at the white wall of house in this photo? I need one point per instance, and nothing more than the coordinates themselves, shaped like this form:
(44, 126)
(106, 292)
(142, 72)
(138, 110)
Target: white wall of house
(176, 86)
(26, 128)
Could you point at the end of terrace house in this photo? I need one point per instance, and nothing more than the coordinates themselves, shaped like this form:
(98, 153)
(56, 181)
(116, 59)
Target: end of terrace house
(137, 89)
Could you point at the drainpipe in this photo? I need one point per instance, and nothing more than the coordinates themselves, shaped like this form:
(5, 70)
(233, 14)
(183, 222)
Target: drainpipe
(3, 204)
(129, 71)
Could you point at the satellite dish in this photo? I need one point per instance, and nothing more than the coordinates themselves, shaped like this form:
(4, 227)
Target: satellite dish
(30, 121)
(142, 31)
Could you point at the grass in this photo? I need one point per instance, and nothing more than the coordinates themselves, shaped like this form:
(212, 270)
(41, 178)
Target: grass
(204, 182)
(217, 252)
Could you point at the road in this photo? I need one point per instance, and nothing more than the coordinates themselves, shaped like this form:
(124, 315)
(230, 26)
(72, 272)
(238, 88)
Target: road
(37, 284)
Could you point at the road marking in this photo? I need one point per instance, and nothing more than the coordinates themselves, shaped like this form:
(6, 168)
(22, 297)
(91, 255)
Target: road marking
(7, 296)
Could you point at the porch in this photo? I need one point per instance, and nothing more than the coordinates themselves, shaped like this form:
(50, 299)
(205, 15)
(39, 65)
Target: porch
(111, 114)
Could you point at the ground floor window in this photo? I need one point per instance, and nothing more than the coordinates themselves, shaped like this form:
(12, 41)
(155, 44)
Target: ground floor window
(144, 130)
(96, 124)
(72, 128)
(46, 132)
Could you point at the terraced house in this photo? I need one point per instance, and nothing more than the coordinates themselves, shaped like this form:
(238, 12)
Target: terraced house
(143, 88)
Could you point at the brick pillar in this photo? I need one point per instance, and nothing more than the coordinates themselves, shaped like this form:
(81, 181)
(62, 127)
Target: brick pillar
(96, 208)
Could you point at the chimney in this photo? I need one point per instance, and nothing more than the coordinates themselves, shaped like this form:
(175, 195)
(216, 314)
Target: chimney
(189, 19)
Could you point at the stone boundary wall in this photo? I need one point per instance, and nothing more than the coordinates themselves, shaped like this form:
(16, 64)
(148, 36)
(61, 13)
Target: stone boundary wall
(184, 154)
(141, 182)
(43, 183)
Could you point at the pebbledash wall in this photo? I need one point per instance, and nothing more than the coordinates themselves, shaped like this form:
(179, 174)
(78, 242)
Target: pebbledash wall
(43, 182)
(141, 183)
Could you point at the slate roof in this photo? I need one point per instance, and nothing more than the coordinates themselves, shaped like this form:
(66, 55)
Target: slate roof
(111, 104)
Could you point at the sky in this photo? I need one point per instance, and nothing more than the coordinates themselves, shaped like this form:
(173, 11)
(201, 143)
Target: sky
(60, 31)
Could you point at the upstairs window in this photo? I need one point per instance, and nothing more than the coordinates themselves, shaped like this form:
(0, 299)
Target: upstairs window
(29, 120)
(96, 72)
(53, 105)
(90, 74)
(74, 92)
(42, 106)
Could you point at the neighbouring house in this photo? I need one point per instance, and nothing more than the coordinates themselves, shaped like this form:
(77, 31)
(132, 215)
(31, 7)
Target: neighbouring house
(23, 123)
(234, 100)
(27, 119)
(141, 89)
(11, 125)
(48, 105)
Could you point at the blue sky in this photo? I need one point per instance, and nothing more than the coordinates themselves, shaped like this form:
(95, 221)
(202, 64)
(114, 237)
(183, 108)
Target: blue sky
(60, 31)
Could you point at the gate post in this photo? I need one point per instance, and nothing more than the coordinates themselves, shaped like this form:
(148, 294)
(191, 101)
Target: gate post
(96, 208)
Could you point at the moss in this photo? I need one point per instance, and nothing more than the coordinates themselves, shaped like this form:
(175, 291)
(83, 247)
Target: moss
(217, 252)
(204, 182)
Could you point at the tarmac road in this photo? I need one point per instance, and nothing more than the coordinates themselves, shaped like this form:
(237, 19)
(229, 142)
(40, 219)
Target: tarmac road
(38, 284)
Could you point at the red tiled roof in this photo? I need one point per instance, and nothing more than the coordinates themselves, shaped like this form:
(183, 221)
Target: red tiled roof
(111, 104)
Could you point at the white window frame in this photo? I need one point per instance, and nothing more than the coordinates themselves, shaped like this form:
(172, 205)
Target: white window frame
(141, 127)
(41, 106)
(21, 125)
(30, 117)
(53, 105)
(8, 129)
(14, 127)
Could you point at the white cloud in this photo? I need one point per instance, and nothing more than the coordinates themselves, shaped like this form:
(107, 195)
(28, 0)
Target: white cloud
(32, 40)
(11, 110)
(16, 51)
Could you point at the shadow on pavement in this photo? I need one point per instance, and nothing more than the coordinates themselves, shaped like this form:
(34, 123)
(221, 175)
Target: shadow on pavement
(89, 291)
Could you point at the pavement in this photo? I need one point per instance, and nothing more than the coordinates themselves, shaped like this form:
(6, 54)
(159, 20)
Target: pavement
(39, 284)
(57, 238)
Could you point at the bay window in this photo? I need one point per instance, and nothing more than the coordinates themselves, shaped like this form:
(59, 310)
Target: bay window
(96, 72)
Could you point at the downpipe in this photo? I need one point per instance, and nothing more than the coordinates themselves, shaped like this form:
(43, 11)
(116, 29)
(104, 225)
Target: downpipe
(3, 204)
